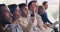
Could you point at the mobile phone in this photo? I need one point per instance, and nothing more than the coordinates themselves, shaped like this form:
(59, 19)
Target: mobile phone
(32, 15)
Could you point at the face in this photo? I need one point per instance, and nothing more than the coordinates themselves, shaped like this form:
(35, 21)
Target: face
(17, 12)
(7, 15)
(46, 6)
(42, 9)
(25, 11)
(34, 7)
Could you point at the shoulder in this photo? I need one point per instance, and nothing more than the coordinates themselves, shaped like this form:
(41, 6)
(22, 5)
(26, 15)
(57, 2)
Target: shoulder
(38, 16)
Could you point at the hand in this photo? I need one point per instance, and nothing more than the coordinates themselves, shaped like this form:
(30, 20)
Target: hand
(32, 19)
(30, 23)
(49, 25)
(35, 9)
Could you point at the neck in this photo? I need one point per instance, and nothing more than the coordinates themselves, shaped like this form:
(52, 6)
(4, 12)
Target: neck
(45, 8)
(23, 15)
(14, 20)
(2, 27)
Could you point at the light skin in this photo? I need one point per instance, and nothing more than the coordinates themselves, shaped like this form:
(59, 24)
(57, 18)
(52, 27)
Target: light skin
(41, 10)
(46, 6)
(7, 17)
(16, 14)
(24, 12)
(7, 14)
(33, 7)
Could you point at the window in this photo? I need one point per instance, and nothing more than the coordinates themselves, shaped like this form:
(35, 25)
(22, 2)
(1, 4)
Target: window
(52, 11)
(8, 2)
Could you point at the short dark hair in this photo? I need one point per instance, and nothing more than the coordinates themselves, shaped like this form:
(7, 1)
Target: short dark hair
(21, 6)
(44, 2)
(30, 3)
(12, 7)
(39, 8)
(2, 15)
(1, 5)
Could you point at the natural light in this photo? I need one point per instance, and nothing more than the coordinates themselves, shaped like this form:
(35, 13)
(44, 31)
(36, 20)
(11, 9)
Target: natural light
(52, 11)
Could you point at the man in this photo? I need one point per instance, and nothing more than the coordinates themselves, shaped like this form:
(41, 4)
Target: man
(32, 6)
(44, 15)
(38, 23)
(26, 25)
(14, 9)
(5, 18)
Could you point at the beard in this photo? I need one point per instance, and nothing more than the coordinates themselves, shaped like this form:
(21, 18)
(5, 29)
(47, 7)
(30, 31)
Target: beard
(4, 22)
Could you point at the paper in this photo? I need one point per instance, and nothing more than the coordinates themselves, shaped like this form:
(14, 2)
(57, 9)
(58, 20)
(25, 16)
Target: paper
(55, 23)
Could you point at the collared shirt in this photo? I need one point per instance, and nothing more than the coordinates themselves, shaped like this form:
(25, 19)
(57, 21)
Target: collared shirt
(35, 27)
(14, 28)
(45, 17)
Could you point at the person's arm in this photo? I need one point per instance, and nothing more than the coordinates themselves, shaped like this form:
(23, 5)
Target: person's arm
(48, 20)
(45, 18)
(29, 25)
(40, 22)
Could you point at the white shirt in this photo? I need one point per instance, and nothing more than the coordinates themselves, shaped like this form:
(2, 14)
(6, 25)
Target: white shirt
(35, 27)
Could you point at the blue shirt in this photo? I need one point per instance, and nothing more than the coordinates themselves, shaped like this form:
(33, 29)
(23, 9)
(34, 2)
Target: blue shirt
(45, 18)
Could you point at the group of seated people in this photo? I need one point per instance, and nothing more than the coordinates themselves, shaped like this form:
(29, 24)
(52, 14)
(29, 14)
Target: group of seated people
(23, 18)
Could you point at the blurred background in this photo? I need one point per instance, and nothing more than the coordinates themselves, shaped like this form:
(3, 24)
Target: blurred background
(52, 11)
